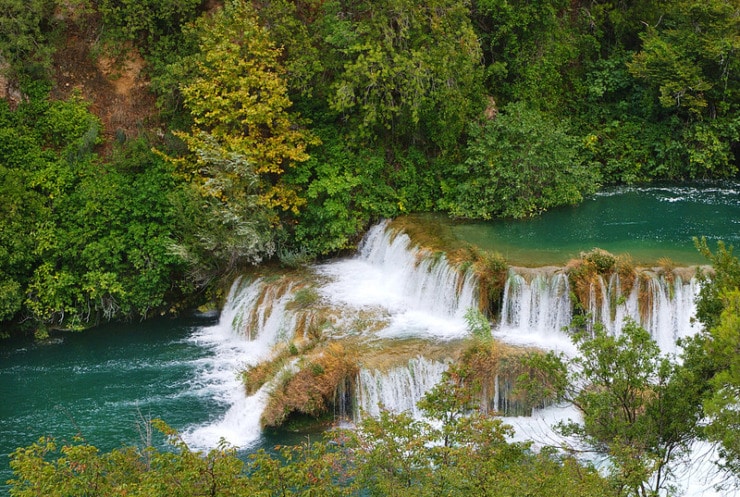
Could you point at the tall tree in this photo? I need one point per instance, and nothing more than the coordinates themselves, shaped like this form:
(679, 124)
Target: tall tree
(242, 141)
(411, 71)
(689, 59)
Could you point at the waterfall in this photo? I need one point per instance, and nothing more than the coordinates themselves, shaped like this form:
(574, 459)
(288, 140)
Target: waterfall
(422, 293)
(664, 306)
(406, 292)
(537, 305)
(410, 292)
(398, 389)
(535, 309)
(253, 321)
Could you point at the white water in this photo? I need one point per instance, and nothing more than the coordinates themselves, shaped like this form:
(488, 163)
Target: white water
(537, 308)
(241, 338)
(420, 295)
(397, 390)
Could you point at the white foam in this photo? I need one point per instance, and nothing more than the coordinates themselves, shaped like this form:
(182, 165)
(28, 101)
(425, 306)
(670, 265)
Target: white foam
(218, 375)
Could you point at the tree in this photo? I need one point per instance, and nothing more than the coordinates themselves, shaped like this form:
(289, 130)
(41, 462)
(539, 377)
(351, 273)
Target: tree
(640, 409)
(411, 71)
(530, 49)
(25, 26)
(689, 56)
(519, 164)
(712, 355)
(457, 451)
(721, 407)
(688, 60)
(239, 104)
(242, 141)
(145, 22)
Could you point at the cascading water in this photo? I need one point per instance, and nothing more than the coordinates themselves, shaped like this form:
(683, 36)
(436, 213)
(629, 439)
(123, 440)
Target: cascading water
(414, 294)
(423, 295)
(398, 389)
(418, 295)
(252, 322)
(537, 307)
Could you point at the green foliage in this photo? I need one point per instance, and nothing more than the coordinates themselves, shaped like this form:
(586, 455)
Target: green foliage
(720, 407)
(242, 142)
(410, 71)
(725, 277)
(106, 248)
(649, 89)
(478, 324)
(146, 22)
(640, 409)
(344, 190)
(711, 356)
(239, 104)
(689, 57)
(459, 451)
(519, 164)
(80, 241)
(25, 29)
(529, 50)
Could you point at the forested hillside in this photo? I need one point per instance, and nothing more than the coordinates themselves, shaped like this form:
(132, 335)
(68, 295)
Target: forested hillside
(151, 148)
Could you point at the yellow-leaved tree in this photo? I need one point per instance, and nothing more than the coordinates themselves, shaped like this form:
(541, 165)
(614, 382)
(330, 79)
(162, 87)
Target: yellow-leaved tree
(242, 140)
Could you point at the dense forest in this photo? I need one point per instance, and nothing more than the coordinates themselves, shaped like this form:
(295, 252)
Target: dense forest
(151, 149)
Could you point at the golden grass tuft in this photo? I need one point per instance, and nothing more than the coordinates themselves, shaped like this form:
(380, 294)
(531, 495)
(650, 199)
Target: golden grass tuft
(494, 368)
(313, 389)
(595, 268)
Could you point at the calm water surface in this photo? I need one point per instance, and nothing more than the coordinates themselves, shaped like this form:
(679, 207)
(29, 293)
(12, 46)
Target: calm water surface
(647, 223)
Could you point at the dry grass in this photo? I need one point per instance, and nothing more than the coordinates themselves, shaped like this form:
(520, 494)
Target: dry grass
(313, 389)
(593, 269)
(494, 368)
(385, 355)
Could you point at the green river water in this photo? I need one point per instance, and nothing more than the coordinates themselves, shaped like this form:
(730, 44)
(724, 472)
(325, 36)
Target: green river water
(647, 223)
(97, 383)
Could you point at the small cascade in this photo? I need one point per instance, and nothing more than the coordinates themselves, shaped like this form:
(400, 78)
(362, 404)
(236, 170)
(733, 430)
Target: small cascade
(253, 321)
(662, 304)
(422, 293)
(259, 311)
(426, 280)
(398, 389)
(538, 305)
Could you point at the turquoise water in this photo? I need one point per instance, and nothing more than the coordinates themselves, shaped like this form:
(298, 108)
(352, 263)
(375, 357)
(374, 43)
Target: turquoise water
(647, 223)
(96, 384)
(99, 383)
